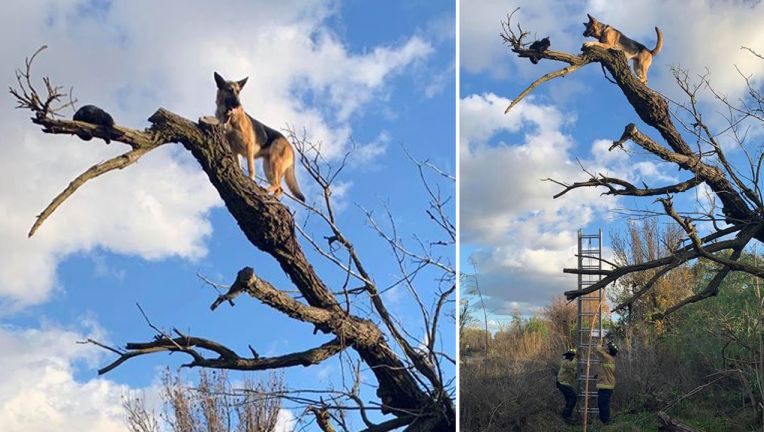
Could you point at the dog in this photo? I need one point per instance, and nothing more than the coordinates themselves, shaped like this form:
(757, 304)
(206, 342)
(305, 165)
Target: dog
(252, 139)
(609, 37)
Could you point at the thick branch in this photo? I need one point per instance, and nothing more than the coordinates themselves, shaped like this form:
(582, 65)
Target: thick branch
(227, 358)
(732, 263)
(681, 256)
(322, 418)
(627, 188)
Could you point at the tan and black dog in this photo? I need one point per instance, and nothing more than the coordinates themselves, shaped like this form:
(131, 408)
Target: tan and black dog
(608, 37)
(252, 139)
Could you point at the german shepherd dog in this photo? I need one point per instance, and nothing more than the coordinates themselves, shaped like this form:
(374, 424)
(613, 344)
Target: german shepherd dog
(252, 139)
(608, 37)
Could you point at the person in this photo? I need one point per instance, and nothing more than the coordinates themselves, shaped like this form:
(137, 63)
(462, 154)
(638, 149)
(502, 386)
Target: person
(566, 383)
(605, 378)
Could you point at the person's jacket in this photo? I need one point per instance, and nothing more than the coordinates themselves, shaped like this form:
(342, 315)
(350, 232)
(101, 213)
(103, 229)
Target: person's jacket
(567, 374)
(606, 375)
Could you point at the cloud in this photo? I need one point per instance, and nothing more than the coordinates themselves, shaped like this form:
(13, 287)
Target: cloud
(131, 62)
(160, 211)
(285, 421)
(501, 183)
(38, 392)
(522, 236)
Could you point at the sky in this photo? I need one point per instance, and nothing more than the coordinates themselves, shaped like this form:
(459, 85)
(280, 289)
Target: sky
(518, 237)
(379, 76)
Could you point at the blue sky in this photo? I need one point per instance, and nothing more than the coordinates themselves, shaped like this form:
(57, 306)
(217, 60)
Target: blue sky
(511, 227)
(379, 75)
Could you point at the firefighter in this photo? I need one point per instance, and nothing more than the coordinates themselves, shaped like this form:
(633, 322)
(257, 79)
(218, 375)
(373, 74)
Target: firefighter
(605, 378)
(566, 383)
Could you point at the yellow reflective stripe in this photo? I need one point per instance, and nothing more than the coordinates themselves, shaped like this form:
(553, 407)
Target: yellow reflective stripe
(608, 365)
(605, 386)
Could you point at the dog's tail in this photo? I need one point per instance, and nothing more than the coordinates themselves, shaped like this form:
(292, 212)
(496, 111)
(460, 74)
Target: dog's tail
(291, 182)
(659, 43)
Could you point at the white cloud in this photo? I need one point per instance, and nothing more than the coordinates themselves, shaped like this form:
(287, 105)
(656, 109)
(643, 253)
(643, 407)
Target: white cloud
(523, 237)
(38, 391)
(501, 184)
(285, 421)
(155, 209)
(131, 62)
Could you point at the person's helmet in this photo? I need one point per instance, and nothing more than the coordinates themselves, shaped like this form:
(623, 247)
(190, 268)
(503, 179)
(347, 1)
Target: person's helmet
(612, 347)
(570, 353)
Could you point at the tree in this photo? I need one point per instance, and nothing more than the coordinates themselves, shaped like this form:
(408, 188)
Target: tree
(413, 389)
(645, 241)
(737, 213)
(214, 405)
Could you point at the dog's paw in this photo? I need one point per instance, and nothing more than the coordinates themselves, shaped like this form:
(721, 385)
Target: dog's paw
(589, 44)
(210, 120)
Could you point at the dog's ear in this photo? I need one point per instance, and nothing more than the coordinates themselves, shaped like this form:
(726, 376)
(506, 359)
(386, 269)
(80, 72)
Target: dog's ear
(219, 80)
(242, 82)
(591, 18)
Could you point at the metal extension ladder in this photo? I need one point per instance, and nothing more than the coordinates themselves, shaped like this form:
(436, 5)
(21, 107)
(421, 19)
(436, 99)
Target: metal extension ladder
(589, 314)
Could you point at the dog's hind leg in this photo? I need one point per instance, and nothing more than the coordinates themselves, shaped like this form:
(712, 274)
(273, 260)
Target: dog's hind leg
(641, 64)
(274, 172)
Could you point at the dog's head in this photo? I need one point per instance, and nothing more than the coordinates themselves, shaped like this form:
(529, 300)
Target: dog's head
(228, 92)
(593, 27)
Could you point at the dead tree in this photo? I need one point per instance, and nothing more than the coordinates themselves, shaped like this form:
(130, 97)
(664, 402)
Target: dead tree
(737, 215)
(413, 389)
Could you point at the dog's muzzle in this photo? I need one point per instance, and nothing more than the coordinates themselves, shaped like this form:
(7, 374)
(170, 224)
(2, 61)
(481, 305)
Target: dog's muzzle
(231, 102)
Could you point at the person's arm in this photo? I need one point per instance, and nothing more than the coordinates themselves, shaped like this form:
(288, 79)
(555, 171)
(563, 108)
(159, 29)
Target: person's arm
(599, 351)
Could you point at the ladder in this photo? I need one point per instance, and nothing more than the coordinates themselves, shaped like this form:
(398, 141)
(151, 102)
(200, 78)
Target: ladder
(589, 315)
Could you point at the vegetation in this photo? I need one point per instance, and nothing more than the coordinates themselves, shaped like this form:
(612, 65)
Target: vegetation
(701, 365)
(687, 305)
(214, 405)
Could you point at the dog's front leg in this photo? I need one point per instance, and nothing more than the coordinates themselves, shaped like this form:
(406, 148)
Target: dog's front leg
(595, 43)
(251, 165)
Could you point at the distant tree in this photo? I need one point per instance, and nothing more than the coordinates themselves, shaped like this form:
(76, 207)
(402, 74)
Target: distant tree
(465, 315)
(472, 340)
(645, 241)
(736, 212)
(214, 405)
(413, 388)
(471, 284)
(562, 316)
